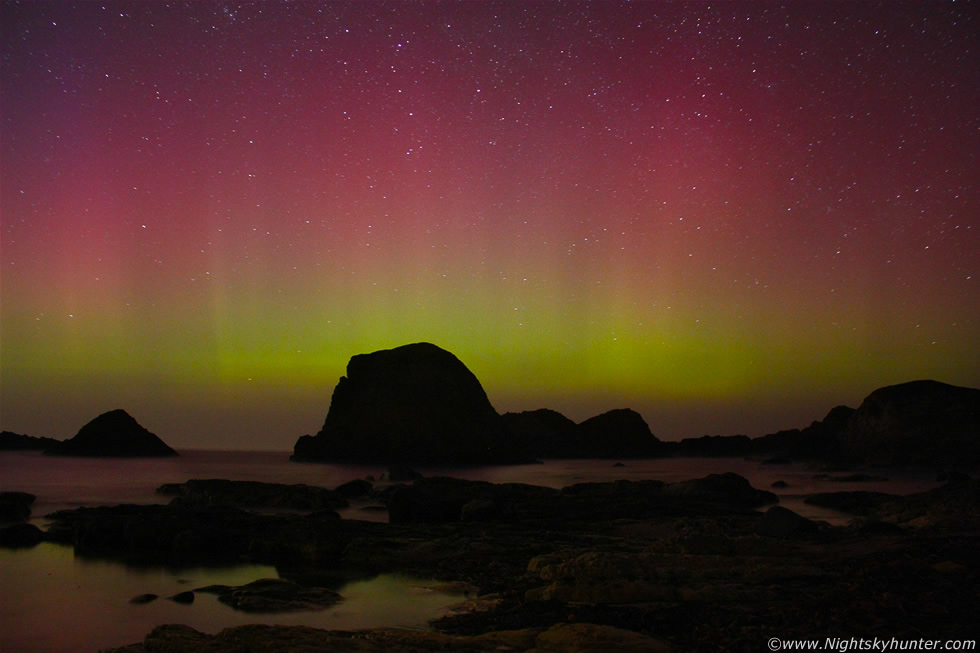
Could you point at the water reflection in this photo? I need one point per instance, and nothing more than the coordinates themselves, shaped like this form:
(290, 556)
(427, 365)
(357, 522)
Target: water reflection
(57, 602)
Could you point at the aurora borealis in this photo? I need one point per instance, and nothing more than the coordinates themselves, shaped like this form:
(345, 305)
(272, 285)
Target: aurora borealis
(730, 217)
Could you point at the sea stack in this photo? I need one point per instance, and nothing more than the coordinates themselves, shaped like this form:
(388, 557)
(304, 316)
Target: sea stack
(412, 404)
(112, 434)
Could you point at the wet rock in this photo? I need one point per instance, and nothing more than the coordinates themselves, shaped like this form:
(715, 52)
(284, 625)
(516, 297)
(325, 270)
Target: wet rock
(20, 536)
(478, 510)
(142, 599)
(400, 474)
(15, 506)
(441, 499)
(857, 502)
(185, 598)
(590, 637)
(951, 505)
(354, 489)
(273, 595)
(780, 522)
(727, 489)
(112, 434)
(559, 638)
(874, 527)
(949, 567)
(252, 494)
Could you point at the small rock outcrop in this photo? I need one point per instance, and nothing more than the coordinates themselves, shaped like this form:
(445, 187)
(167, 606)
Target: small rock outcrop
(10, 441)
(412, 404)
(273, 595)
(620, 433)
(15, 506)
(112, 434)
(252, 494)
(544, 432)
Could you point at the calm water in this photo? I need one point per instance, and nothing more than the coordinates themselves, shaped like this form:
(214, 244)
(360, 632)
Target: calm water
(52, 601)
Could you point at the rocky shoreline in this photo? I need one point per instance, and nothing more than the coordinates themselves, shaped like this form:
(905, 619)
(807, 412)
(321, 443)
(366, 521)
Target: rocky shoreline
(627, 565)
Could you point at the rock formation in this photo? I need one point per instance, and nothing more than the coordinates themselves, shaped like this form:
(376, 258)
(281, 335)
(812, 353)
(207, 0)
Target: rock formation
(620, 433)
(16, 442)
(916, 423)
(112, 434)
(544, 433)
(412, 404)
(920, 422)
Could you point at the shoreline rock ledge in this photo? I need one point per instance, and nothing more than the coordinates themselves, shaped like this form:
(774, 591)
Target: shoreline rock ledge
(416, 403)
(114, 434)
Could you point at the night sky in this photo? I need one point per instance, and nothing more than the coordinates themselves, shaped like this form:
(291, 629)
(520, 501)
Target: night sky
(730, 217)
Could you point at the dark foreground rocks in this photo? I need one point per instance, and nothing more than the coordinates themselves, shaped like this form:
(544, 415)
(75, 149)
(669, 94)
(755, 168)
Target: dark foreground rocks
(15, 506)
(254, 494)
(560, 638)
(270, 595)
(692, 566)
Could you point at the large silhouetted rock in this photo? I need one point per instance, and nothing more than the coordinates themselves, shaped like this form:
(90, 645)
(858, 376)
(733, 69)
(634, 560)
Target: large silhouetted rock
(416, 403)
(920, 422)
(620, 433)
(112, 434)
(544, 433)
(915, 423)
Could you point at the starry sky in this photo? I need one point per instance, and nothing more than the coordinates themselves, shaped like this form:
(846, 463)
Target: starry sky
(729, 216)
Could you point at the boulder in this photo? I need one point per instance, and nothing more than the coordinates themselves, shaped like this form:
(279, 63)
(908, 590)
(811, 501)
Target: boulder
(273, 595)
(20, 536)
(781, 522)
(354, 489)
(15, 506)
(728, 489)
(252, 494)
(143, 599)
(185, 598)
(412, 404)
(112, 434)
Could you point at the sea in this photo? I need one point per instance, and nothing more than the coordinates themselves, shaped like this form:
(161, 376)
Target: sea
(51, 600)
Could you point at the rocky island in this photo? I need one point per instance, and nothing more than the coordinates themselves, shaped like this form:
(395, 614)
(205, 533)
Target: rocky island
(112, 434)
(413, 404)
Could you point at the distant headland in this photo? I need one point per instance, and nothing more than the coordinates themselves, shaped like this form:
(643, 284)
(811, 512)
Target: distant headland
(419, 403)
